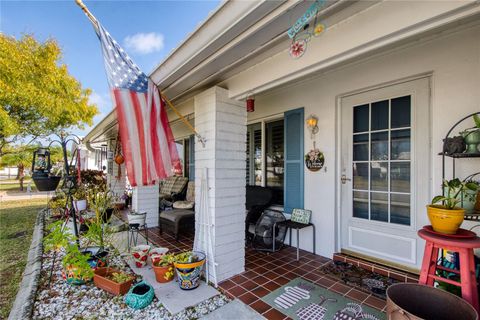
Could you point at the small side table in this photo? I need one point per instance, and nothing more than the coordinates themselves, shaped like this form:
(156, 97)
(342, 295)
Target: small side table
(464, 247)
(133, 232)
(297, 226)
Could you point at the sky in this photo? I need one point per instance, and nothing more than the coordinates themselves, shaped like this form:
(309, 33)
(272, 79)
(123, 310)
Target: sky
(147, 30)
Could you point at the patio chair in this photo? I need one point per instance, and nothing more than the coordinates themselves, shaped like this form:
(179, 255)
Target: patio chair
(181, 214)
(257, 200)
(172, 189)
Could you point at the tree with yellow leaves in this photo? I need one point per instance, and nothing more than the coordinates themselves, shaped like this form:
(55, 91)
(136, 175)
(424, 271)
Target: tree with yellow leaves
(38, 96)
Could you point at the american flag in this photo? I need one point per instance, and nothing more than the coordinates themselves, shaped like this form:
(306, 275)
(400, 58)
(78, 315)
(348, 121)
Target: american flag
(147, 140)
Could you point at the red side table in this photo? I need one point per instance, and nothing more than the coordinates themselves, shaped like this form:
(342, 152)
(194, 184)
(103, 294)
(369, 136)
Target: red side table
(464, 247)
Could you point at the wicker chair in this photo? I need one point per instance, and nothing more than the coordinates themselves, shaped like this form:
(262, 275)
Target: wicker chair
(172, 189)
(181, 214)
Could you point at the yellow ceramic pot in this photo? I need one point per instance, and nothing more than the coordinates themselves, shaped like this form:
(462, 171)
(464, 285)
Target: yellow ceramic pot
(444, 220)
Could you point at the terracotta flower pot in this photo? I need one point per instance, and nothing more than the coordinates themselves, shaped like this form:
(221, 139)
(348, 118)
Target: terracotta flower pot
(102, 281)
(163, 274)
(140, 254)
(156, 254)
(444, 220)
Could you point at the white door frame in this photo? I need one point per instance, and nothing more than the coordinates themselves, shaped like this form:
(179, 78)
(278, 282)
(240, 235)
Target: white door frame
(338, 144)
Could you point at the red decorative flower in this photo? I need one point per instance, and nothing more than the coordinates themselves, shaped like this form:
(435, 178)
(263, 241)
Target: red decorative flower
(136, 255)
(138, 264)
(144, 258)
(297, 48)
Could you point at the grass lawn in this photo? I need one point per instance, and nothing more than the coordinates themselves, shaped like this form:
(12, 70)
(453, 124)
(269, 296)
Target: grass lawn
(14, 186)
(17, 219)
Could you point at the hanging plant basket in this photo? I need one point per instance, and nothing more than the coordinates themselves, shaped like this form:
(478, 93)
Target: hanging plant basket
(46, 183)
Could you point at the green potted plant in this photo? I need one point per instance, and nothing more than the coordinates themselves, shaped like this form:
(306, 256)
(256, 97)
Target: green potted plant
(188, 266)
(163, 268)
(472, 136)
(80, 199)
(57, 204)
(112, 280)
(101, 203)
(76, 269)
(447, 217)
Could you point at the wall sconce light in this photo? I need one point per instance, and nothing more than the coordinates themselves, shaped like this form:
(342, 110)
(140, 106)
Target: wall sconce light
(250, 103)
(312, 122)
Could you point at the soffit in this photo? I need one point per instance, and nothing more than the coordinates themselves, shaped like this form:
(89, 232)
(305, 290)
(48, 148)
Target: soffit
(258, 41)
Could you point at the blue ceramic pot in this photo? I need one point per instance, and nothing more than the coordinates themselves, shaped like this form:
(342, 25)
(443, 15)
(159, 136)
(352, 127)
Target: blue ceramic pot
(139, 296)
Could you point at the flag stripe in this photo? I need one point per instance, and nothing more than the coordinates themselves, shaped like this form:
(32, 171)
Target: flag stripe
(126, 105)
(138, 112)
(158, 161)
(127, 152)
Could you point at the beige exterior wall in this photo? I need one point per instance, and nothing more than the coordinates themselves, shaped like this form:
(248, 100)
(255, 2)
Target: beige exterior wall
(452, 59)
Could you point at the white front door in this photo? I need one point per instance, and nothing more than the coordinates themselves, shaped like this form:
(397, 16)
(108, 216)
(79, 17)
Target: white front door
(385, 172)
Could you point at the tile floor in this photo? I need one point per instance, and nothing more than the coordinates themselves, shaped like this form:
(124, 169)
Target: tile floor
(267, 272)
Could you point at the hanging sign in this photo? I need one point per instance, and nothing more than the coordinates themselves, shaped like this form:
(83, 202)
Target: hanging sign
(314, 160)
(307, 16)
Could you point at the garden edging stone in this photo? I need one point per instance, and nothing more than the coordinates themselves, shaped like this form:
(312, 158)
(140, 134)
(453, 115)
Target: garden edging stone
(23, 305)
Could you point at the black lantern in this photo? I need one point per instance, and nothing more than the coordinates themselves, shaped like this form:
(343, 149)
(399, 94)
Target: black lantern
(41, 167)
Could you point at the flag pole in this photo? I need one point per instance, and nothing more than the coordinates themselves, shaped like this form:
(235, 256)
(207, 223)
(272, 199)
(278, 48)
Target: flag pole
(87, 12)
(185, 121)
(94, 21)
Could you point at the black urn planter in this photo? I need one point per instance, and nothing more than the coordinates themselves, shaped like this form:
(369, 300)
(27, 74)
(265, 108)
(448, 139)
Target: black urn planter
(98, 257)
(107, 215)
(46, 183)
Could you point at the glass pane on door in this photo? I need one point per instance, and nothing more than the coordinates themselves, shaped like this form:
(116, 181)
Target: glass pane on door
(382, 161)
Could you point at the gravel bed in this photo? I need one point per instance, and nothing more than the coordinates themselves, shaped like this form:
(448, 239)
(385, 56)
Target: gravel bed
(64, 301)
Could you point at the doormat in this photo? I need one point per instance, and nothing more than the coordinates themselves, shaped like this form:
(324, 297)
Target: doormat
(362, 279)
(303, 300)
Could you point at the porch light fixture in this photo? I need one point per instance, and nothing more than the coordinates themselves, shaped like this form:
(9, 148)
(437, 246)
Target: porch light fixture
(250, 103)
(312, 122)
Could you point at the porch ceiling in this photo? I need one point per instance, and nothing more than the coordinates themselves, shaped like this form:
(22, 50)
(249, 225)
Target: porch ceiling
(105, 130)
(254, 37)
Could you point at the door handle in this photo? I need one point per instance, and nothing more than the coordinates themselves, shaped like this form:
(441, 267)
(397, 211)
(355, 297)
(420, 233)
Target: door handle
(344, 179)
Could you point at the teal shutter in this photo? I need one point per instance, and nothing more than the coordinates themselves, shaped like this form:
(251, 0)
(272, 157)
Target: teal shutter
(191, 160)
(293, 189)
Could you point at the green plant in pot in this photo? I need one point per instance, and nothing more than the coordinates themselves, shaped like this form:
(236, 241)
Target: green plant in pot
(80, 199)
(163, 268)
(76, 268)
(57, 204)
(113, 280)
(101, 203)
(472, 136)
(444, 213)
(98, 235)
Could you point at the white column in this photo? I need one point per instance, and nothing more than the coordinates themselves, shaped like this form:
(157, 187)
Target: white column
(222, 122)
(145, 199)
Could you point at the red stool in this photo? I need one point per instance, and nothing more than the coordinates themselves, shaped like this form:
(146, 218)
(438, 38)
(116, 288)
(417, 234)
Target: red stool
(464, 247)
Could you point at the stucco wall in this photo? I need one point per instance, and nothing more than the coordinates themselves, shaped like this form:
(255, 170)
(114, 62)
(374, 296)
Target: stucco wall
(454, 61)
